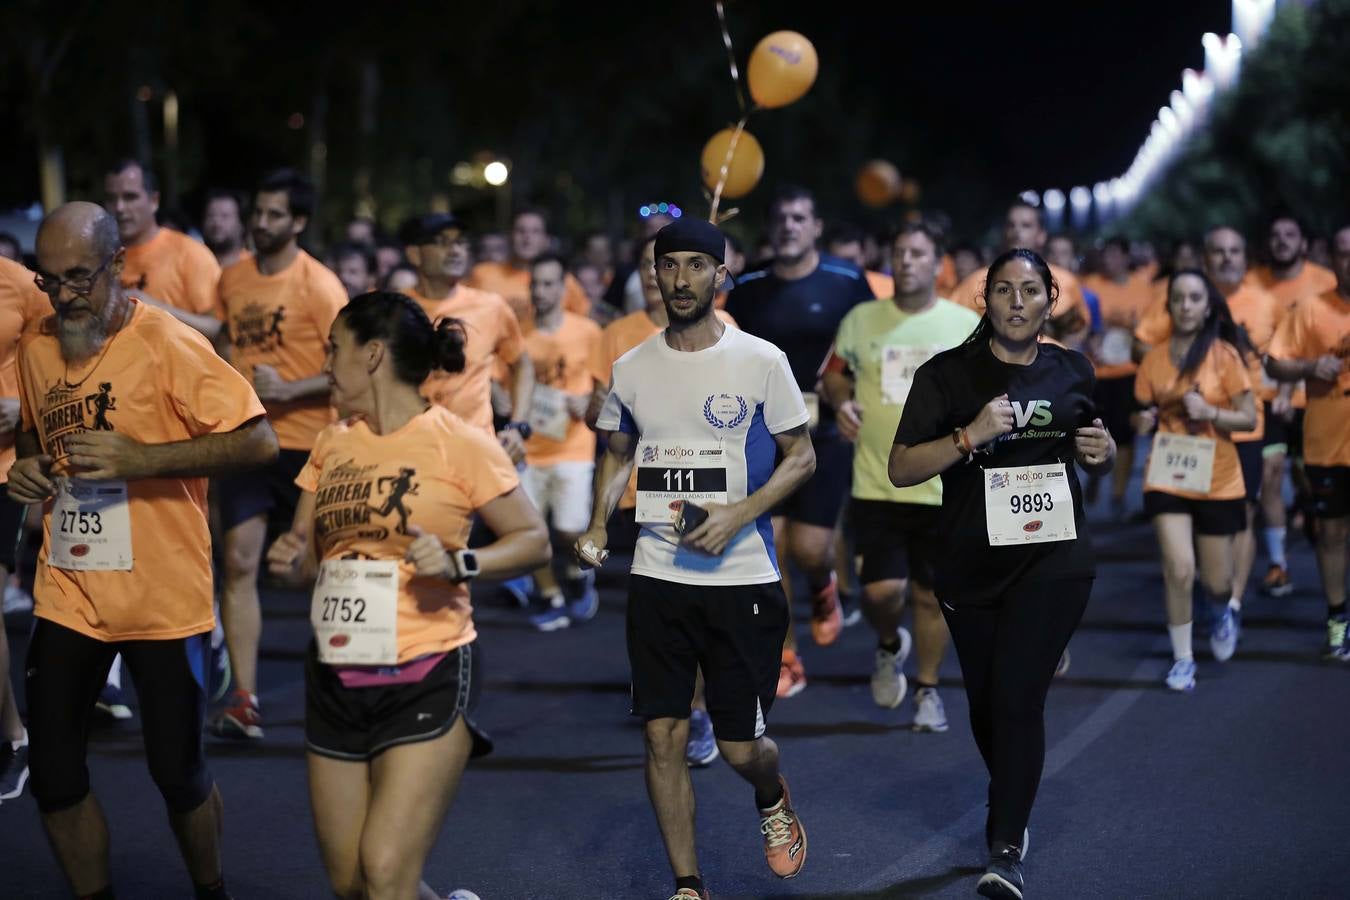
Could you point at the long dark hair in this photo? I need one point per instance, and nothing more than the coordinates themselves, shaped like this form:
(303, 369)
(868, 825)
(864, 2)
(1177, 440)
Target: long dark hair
(985, 329)
(416, 345)
(1218, 324)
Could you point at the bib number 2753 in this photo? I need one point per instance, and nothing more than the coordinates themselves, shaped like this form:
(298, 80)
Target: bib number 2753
(91, 526)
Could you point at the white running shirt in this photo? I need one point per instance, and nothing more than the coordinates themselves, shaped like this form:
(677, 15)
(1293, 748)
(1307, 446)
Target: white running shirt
(733, 396)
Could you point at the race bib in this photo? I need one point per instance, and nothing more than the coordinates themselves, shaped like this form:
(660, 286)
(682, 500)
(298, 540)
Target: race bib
(1181, 462)
(812, 402)
(670, 473)
(898, 365)
(354, 611)
(1117, 347)
(548, 412)
(90, 526)
(1028, 505)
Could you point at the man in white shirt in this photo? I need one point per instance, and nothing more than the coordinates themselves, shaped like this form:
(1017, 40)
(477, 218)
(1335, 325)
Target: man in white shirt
(701, 409)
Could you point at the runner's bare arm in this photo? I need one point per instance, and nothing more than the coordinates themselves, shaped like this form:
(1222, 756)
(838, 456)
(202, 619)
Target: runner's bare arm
(522, 543)
(110, 454)
(293, 556)
(29, 477)
(271, 387)
(208, 325)
(522, 387)
(799, 463)
(611, 478)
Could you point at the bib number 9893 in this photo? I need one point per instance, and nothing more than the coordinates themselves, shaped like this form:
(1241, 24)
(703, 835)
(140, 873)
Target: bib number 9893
(1030, 503)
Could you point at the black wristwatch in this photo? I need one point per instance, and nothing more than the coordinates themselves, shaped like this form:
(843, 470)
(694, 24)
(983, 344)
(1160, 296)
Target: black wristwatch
(526, 432)
(466, 566)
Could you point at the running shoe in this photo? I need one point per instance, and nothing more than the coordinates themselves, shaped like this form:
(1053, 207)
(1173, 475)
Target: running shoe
(791, 675)
(689, 894)
(826, 619)
(13, 770)
(519, 590)
(702, 747)
(1277, 583)
(1062, 667)
(888, 681)
(113, 702)
(553, 619)
(1181, 677)
(1223, 637)
(784, 836)
(1336, 641)
(462, 894)
(989, 834)
(931, 714)
(584, 608)
(850, 611)
(1003, 877)
(241, 720)
(219, 674)
(17, 600)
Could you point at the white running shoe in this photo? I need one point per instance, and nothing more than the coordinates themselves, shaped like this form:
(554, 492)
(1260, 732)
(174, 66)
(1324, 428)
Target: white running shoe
(888, 681)
(1223, 637)
(1181, 677)
(931, 714)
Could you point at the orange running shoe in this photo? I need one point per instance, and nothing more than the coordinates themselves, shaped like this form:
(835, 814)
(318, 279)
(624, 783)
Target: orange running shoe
(791, 675)
(826, 618)
(784, 836)
(1276, 583)
(240, 720)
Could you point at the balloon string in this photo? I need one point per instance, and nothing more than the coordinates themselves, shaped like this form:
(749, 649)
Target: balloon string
(731, 56)
(726, 167)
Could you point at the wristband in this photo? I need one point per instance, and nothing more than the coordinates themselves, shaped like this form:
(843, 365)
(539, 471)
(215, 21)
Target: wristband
(526, 431)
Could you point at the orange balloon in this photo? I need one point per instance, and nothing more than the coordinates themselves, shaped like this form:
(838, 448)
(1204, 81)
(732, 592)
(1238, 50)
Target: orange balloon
(782, 69)
(745, 168)
(878, 183)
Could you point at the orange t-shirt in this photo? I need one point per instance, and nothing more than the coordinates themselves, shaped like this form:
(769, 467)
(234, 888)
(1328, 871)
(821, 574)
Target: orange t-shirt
(493, 337)
(562, 360)
(1315, 327)
(1121, 305)
(1311, 280)
(970, 293)
(513, 285)
(370, 489)
(1221, 378)
(1255, 310)
(156, 381)
(882, 285)
(176, 269)
(22, 306)
(946, 276)
(617, 338)
(282, 321)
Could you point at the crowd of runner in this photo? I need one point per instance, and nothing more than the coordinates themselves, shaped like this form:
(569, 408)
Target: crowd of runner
(888, 422)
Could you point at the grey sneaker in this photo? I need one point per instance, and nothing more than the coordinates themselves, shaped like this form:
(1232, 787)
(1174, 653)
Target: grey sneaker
(931, 715)
(888, 681)
(1181, 677)
(1223, 637)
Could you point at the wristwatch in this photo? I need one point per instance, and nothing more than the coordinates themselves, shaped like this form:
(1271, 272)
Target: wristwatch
(465, 566)
(526, 432)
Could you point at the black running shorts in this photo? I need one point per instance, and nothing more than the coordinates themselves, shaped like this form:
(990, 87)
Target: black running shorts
(1330, 491)
(895, 540)
(734, 632)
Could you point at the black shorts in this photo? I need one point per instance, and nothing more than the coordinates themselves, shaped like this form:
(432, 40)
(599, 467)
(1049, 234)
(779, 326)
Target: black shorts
(734, 632)
(1286, 434)
(358, 724)
(1115, 401)
(819, 501)
(1252, 463)
(11, 526)
(1330, 491)
(65, 673)
(269, 491)
(895, 540)
(1215, 518)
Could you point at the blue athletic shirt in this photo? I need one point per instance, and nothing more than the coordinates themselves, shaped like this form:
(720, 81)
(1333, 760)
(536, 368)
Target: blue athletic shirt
(732, 397)
(802, 316)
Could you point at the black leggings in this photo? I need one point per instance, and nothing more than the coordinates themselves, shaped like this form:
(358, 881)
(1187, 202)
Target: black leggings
(66, 671)
(1008, 655)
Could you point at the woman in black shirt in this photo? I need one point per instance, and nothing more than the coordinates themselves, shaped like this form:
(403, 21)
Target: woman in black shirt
(1003, 418)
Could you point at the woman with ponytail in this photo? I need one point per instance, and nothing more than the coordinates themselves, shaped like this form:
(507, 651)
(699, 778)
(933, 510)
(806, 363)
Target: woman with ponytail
(392, 676)
(1196, 392)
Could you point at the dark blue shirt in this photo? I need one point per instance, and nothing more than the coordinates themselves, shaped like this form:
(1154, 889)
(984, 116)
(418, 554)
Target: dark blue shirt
(800, 317)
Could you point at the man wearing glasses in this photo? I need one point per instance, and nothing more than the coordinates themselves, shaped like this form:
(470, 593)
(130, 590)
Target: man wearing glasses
(125, 413)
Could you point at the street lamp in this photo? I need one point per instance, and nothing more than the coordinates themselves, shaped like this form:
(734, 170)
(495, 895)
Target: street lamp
(495, 173)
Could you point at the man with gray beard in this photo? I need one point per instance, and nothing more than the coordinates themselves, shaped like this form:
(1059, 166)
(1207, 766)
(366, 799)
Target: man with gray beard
(125, 414)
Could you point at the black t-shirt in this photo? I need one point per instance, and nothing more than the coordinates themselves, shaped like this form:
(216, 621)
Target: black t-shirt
(800, 317)
(1052, 397)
